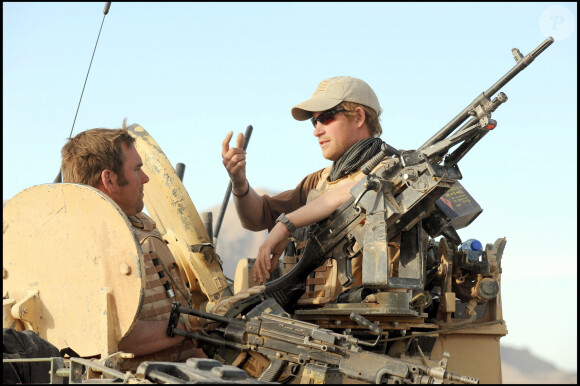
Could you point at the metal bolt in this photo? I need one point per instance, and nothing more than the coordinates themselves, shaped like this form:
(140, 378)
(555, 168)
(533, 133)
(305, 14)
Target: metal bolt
(125, 269)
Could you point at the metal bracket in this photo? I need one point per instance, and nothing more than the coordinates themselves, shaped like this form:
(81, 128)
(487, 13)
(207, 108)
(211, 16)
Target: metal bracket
(25, 310)
(517, 54)
(412, 157)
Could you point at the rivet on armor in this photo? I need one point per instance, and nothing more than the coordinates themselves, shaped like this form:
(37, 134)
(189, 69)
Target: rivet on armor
(125, 269)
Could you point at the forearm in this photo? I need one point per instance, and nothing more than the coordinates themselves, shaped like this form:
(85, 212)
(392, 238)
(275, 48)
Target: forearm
(249, 208)
(315, 211)
(148, 337)
(320, 208)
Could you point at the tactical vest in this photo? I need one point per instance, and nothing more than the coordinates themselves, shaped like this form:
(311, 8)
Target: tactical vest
(160, 268)
(322, 285)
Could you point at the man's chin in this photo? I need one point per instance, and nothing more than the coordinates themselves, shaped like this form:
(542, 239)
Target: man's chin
(134, 212)
(329, 156)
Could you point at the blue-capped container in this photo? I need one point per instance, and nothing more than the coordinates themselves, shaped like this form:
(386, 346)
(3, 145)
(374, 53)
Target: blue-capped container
(473, 248)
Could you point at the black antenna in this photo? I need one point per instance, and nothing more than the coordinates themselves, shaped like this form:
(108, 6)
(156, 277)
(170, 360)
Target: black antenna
(105, 12)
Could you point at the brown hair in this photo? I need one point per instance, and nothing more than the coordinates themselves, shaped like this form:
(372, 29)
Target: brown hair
(371, 116)
(86, 155)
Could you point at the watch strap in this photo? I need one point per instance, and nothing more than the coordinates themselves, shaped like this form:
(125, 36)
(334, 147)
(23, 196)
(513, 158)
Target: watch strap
(287, 223)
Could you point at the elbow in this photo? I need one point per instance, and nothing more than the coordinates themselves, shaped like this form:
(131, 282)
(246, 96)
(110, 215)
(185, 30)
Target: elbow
(251, 226)
(251, 213)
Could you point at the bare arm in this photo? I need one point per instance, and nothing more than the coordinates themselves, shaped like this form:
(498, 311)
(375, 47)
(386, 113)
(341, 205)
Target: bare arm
(313, 212)
(148, 337)
(250, 209)
(248, 206)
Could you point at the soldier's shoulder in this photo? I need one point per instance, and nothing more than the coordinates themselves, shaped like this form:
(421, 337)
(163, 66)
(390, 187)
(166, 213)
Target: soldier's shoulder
(142, 221)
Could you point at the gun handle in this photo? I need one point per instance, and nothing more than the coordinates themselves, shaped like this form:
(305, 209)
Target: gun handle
(273, 371)
(287, 289)
(373, 162)
(344, 270)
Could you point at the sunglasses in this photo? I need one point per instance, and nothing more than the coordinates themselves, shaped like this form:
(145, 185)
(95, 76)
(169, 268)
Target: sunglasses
(326, 117)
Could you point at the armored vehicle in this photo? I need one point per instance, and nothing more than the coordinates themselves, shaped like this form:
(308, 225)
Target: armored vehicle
(429, 309)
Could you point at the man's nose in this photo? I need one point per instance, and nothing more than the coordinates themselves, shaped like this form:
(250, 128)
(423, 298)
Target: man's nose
(318, 131)
(144, 178)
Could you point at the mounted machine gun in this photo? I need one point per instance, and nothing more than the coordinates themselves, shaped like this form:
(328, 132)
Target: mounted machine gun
(397, 201)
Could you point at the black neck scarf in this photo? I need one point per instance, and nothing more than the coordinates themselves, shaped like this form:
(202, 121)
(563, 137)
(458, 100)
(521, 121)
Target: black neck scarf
(355, 157)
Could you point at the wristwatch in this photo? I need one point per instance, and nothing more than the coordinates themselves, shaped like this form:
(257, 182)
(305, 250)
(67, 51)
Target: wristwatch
(284, 220)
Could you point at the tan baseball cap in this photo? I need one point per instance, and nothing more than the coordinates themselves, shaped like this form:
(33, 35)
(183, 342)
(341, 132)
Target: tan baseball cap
(332, 91)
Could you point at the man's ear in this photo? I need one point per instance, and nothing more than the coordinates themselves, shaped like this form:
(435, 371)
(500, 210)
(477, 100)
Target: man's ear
(360, 116)
(109, 181)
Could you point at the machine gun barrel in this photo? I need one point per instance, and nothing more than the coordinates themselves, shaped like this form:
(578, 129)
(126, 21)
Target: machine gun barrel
(522, 62)
(177, 310)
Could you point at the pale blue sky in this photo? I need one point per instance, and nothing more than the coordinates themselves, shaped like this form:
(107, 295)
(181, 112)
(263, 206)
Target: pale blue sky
(190, 72)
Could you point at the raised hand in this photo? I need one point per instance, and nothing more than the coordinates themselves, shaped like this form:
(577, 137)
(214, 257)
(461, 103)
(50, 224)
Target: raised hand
(234, 160)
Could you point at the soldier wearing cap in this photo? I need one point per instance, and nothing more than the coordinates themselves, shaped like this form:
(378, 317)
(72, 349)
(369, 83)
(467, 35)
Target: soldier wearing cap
(345, 114)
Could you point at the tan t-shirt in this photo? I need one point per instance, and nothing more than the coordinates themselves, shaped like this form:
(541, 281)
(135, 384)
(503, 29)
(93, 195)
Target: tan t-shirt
(287, 201)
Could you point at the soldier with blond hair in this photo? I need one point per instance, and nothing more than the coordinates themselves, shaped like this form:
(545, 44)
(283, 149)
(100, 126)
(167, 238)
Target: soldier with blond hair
(345, 114)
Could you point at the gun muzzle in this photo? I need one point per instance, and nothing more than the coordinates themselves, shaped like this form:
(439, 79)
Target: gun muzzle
(461, 379)
(545, 44)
